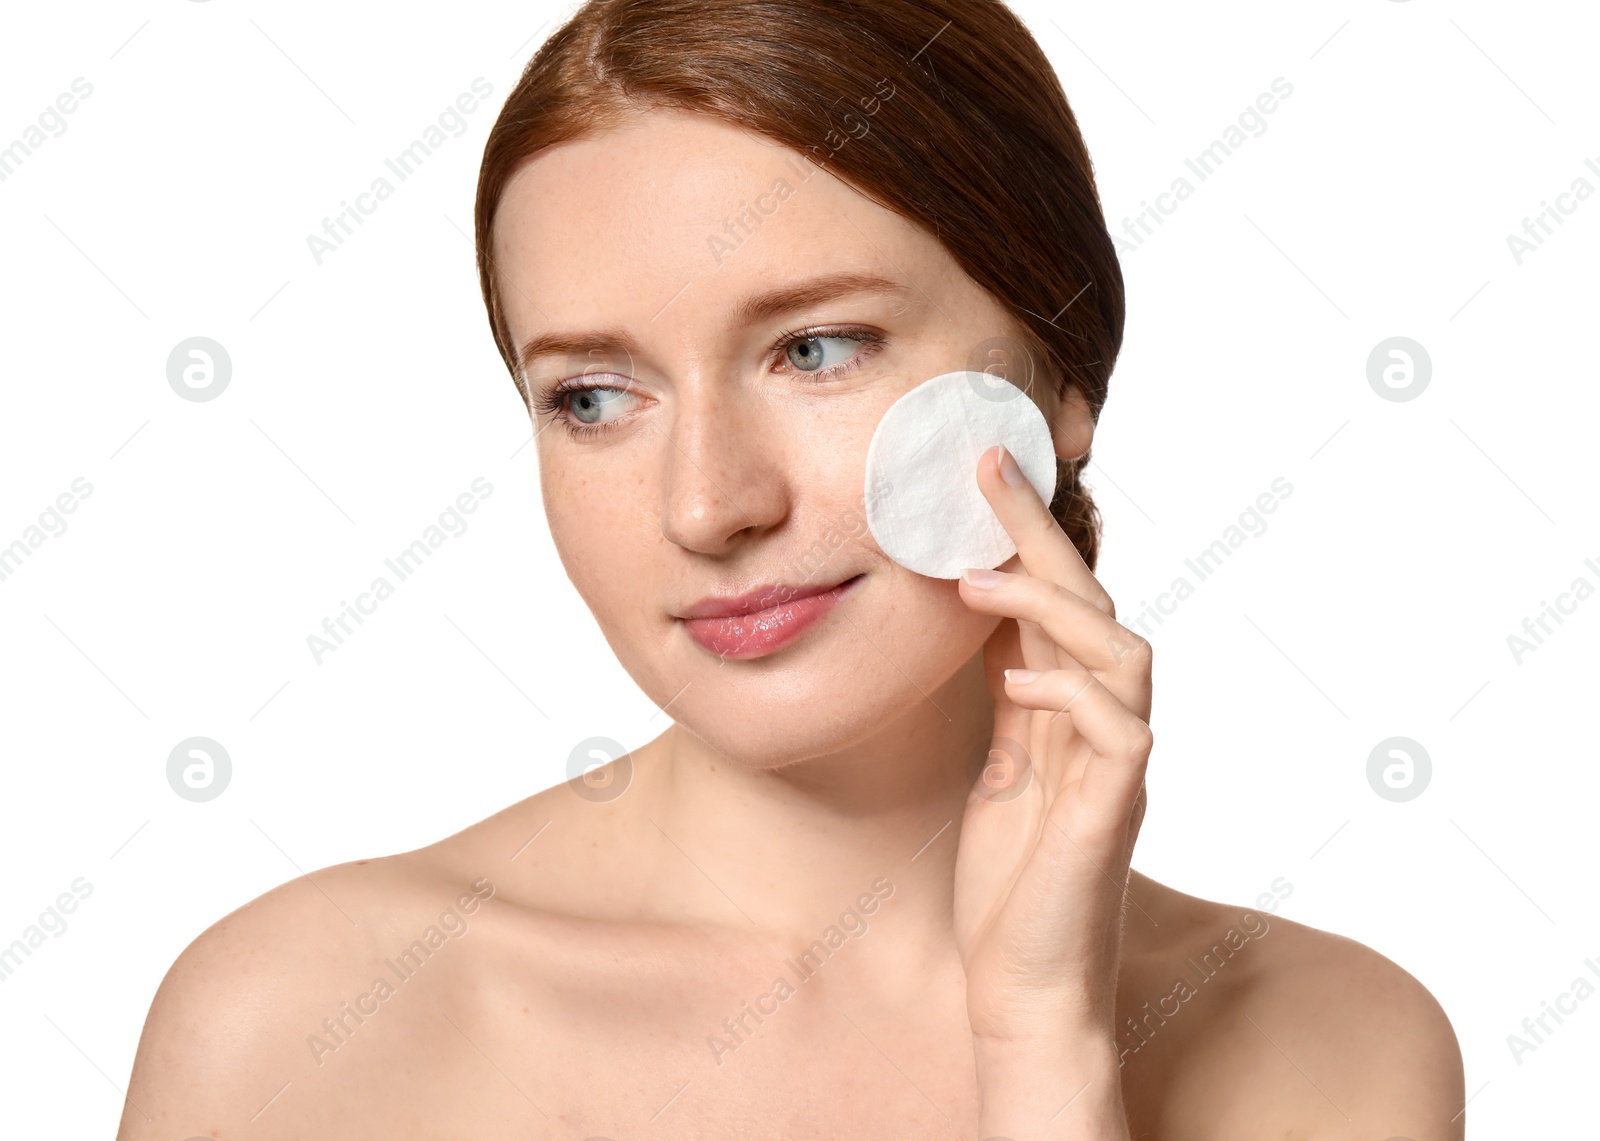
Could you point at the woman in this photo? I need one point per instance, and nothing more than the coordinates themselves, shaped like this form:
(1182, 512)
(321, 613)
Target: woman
(875, 880)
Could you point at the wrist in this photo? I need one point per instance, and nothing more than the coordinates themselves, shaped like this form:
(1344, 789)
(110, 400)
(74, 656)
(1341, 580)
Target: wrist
(1066, 1086)
(1076, 1041)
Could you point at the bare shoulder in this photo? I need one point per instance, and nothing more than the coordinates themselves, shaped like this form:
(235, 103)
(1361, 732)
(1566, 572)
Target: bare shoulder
(241, 1030)
(1273, 1028)
(319, 1002)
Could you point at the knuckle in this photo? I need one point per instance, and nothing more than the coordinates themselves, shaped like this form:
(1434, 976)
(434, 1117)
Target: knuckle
(1069, 685)
(1043, 525)
(1128, 646)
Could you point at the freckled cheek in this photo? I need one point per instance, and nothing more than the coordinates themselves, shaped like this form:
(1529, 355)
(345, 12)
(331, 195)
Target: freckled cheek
(605, 527)
(826, 457)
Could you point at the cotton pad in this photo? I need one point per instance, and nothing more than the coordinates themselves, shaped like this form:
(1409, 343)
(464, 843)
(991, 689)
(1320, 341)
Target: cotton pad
(922, 501)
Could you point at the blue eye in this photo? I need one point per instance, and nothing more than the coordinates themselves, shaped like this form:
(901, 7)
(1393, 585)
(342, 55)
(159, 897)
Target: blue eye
(809, 354)
(589, 405)
(585, 409)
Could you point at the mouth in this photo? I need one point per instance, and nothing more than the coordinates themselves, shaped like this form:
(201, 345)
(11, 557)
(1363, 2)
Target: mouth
(761, 621)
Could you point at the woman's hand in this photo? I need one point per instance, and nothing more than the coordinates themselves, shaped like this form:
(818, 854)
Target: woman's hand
(1049, 829)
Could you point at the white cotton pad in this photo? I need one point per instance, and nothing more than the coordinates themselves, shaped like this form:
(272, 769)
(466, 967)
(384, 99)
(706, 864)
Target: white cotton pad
(922, 499)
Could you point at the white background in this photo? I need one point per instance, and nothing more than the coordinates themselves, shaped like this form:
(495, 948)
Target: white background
(366, 394)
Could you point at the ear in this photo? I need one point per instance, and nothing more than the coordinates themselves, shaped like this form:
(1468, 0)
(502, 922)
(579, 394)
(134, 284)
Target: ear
(1071, 424)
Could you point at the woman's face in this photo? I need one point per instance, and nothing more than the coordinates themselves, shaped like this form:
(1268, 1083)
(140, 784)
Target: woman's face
(739, 321)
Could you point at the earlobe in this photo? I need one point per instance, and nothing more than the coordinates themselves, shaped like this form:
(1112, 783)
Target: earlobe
(1071, 425)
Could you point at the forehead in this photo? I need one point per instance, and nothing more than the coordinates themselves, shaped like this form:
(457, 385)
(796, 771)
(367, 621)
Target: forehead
(688, 211)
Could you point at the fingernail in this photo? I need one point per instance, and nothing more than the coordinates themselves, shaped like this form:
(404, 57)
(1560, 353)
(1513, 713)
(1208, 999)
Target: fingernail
(979, 577)
(1021, 677)
(1009, 471)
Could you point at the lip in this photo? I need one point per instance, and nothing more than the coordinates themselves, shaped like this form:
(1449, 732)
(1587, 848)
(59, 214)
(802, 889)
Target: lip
(751, 625)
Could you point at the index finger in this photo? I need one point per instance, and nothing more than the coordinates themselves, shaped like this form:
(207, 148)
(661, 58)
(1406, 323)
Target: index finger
(1044, 548)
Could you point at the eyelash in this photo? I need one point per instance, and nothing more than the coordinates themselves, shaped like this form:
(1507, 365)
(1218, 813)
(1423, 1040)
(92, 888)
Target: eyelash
(554, 399)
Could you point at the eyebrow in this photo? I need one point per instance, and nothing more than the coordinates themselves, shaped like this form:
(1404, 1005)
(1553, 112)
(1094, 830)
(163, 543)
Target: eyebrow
(775, 303)
(748, 311)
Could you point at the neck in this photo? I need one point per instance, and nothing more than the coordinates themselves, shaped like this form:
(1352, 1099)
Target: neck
(788, 850)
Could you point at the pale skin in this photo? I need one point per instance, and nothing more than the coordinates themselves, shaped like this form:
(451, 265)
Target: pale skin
(618, 942)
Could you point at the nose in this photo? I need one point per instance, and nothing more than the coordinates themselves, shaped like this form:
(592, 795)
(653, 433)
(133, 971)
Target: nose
(724, 470)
